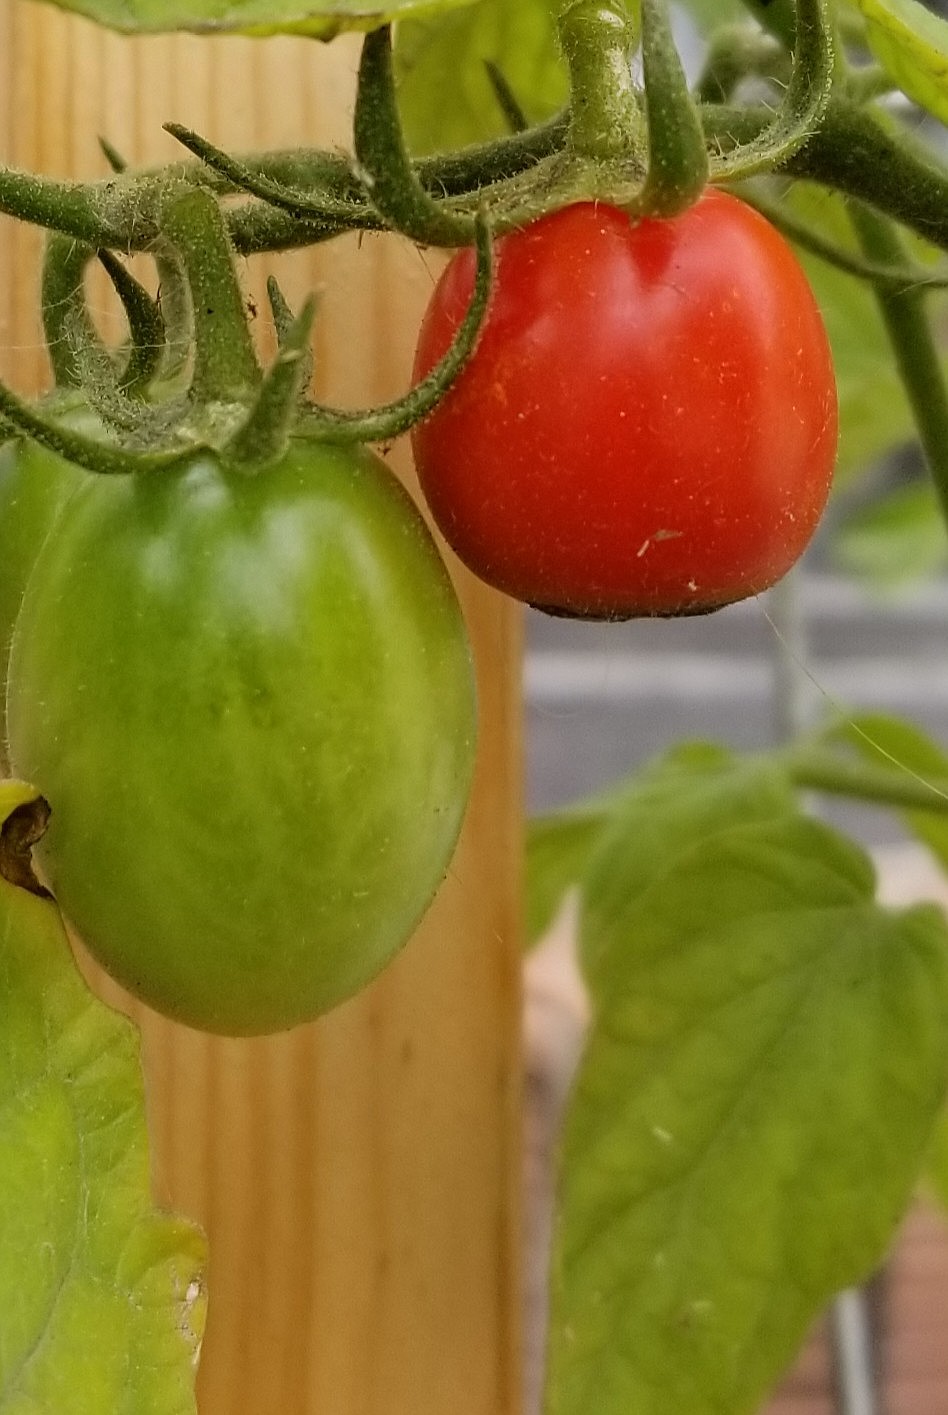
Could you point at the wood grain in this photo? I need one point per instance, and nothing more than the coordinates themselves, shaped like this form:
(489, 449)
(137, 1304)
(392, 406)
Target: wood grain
(359, 1179)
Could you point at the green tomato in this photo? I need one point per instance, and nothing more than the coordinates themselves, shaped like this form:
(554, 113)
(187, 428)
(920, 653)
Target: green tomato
(34, 487)
(249, 701)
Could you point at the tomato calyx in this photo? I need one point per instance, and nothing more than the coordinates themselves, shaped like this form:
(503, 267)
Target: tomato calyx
(230, 406)
(647, 152)
(263, 436)
(805, 101)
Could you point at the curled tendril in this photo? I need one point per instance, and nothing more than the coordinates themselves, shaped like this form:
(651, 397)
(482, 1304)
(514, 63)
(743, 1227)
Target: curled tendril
(804, 103)
(393, 419)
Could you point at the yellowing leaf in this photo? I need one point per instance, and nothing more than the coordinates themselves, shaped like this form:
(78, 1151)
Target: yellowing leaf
(912, 45)
(101, 1295)
(445, 94)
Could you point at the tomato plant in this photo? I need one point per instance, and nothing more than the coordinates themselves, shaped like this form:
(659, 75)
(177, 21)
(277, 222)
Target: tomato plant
(240, 677)
(249, 699)
(648, 425)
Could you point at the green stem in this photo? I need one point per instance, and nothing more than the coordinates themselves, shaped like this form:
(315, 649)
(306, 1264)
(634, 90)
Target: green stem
(145, 326)
(122, 212)
(69, 207)
(285, 324)
(85, 451)
(804, 102)
(481, 165)
(64, 306)
(905, 276)
(507, 101)
(736, 52)
(385, 167)
(853, 153)
(913, 342)
(225, 365)
(849, 150)
(348, 209)
(677, 157)
(264, 436)
(821, 770)
(112, 155)
(598, 39)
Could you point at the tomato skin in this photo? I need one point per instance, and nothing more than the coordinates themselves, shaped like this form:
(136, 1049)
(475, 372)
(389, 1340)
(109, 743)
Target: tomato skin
(34, 487)
(249, 701)
(648, 424)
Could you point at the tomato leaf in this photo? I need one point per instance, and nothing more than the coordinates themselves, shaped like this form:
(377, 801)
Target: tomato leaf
(559, 845)
(895, 742)
(761, 1029)
(892, 740)
(676, 802)
(101, 1296)
(445, 94)
(911, 43)
(322, 19)
(896, 541)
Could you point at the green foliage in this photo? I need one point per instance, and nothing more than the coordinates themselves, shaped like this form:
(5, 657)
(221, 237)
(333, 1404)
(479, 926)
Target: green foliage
(102, 1297)
(709, 14)
(895, 541)
(675, 803)
(559, 845)
(874, 411)
(882, 739)
(912, 45)
(761, 1030)
(321, 19)
(888, 741)
(445, 94)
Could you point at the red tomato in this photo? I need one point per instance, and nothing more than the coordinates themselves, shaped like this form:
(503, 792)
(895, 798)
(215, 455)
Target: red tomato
(648, 424)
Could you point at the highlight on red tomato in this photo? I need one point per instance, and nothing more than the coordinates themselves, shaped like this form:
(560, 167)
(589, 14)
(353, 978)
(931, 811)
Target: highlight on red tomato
(249, 701)
(648, 424)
